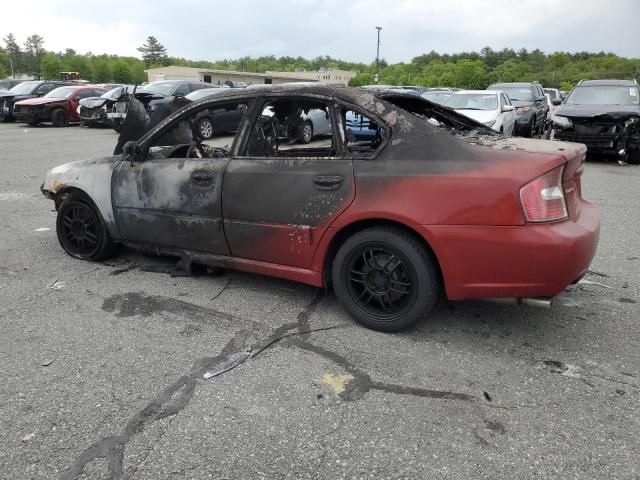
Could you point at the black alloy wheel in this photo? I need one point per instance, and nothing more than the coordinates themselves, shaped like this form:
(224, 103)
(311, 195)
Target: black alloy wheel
(379, 280)
(81, 230)
(385, 278)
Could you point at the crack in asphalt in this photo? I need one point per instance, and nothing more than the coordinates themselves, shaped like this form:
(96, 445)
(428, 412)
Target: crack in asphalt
(177, 396)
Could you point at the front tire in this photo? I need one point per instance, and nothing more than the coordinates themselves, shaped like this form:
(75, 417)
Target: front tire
(60, 118)
(81, 230)
(385, 278)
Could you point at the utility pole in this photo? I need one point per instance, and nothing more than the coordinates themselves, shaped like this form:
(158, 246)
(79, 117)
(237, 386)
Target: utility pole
(378, 55)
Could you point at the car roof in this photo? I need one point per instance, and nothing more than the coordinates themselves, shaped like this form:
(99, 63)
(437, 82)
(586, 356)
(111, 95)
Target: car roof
(514, 84)
(482, 92)
(619, 83)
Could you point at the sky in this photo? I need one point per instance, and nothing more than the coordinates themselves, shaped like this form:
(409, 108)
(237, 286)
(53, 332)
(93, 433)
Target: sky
(339, 28)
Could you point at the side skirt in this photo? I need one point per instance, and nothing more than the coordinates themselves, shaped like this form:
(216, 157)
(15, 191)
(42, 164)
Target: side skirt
(302, 275)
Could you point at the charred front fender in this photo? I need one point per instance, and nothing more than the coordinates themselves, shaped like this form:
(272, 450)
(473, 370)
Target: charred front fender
(92, 178)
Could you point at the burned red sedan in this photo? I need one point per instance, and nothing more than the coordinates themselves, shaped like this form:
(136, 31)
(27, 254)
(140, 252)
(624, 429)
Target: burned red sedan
(402, 202)
(58, 106)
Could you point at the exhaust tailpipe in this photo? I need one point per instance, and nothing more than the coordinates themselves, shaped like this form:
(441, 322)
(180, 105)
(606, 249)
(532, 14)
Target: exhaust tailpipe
(539, 302)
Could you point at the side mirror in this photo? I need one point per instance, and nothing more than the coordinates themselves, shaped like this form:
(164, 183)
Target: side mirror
(39, 94)
(556, 102)
(131, 151)
(508, 108)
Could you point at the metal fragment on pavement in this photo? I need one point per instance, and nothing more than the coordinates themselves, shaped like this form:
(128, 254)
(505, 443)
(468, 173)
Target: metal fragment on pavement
(228, 365)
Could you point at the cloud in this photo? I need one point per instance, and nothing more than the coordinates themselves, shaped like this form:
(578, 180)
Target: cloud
(342, 29)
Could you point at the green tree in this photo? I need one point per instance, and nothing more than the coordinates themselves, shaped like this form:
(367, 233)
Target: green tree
(50, 66)
(101, 70)
(33, 53)
(3, 72)
(152, 51)
(566, 86)
(121, 73)
(14, 52)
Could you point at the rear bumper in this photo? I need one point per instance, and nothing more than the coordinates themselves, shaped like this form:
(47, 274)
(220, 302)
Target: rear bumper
(532, 260)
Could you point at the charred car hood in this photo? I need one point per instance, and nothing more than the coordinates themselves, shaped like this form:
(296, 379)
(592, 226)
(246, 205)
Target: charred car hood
(590, 111)
(41, 101)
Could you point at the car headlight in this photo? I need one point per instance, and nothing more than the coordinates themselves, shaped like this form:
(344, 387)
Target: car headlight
(78, 110)
(562, 121)
(522, 109)
(490, 124)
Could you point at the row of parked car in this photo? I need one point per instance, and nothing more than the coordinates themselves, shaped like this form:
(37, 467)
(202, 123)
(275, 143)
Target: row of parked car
(602, 114)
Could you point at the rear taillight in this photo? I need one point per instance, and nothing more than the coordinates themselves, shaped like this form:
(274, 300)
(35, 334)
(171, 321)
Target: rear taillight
(543, 198)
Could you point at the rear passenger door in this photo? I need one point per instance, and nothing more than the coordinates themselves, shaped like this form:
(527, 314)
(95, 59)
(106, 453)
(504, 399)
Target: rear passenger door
(279, 194)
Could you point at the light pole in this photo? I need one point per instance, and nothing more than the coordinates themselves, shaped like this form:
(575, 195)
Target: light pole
(378, 55)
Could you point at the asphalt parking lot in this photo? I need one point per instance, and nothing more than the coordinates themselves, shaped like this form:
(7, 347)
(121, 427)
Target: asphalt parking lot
(103, 363)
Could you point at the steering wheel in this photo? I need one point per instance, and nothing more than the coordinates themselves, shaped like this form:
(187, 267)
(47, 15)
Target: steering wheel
(195, 150)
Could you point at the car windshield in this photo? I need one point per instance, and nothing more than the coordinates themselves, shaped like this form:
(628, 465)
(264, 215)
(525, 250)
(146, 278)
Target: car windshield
(472, 101)
(61, 92)
(204, 92)
(603, 95)
(24, 88)
(437, 97)
(113, 93)
(515, 93)
(160, 87)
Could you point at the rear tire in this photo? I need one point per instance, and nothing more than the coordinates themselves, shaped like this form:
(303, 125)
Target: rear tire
(60, 118)
(81, 230)
(385, 278)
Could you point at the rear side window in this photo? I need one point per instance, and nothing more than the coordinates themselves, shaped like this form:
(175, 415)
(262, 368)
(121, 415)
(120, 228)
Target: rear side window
(362, 136)
(183, 89)
(293, 127)
(46, 88)
(86, 94)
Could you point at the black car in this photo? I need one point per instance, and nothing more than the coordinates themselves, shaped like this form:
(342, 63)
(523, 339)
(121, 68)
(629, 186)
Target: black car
(161, 93)
(602, 114)
(531, 106)
(158, 98)
(101, 110)
(24, 91)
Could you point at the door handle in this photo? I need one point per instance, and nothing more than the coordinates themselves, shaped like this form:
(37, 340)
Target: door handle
(202, 176)
(327, 182)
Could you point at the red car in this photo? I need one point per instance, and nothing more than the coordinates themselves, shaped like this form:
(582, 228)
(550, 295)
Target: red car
(58, 106)
(431, 203)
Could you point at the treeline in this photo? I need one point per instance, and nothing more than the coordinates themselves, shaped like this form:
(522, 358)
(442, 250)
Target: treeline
(464, 70)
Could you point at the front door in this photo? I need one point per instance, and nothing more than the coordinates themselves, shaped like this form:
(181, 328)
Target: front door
(171, 202)
(281, 194)
(172, 197)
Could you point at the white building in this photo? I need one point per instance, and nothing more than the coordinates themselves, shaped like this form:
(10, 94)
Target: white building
(329, 76)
